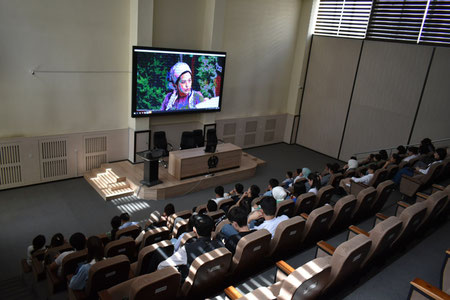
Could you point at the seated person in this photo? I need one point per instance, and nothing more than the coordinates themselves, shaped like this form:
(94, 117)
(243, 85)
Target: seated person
(51, 253)
(383, 155)
(211, 206)
(401, 150)
(125, 220)
(236, 193)
(313, 183)
(439, 155)
(273, 182)
(37, 244)
(238, 220)
(220, 194)
(394, 160)
(346, 182)
(279, 193)
(177, 242)
(115, 224)
(78, 242)
(267, 212)
(352, 164)
(169, 210)
(95, 254)
(183, 258)
(330, 169)
(299, 188)
(413, 152)
(248, 196)
(288, 181)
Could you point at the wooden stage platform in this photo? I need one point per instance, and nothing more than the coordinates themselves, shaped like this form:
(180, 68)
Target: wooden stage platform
(115, 180)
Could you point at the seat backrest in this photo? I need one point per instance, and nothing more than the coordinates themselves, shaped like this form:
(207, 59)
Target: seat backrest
(70, 262)
(317, 223)
(107, 273)
(125, 246)
(198, 137)
(187, 140)
(187, 238)
(392, 170)
(382, 237)
(206, 272)
(160, 285)
(184, 214)
(220, 226)
(350, 173)
(159, 140)
(324, 195)
(132, 231)
(180, 227)
(285, 207)
(384, 190)
(225, 203)
(200, 209)
(435, 203)
(305, 203)
(379, 176)
(306, 282)
(155, 235)
(342, 212)
(287, 235)
(149, 257)
(433, 172)
(215, 215)
(348, 258)
(335, 179)
(251, 250)
(445, 275)
(411, 218)
(364, 202)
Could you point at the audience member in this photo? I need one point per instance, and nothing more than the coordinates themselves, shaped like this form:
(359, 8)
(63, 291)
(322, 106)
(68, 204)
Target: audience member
(279, 193)
(439, 156)
(37, 244)
(115, 224)
(51, 253)
(413, 152)
(299, 188)
(57, 240)
(236, 193)
(220, 194)
(78, 242)
(330, 169)
(125, 219)
(383, 155)
(394, 160)
(169, 210)
(267, 211)
(238, 220)
(346, 182)
(95, 254)
(352, 164)
(314, 183)
(288, 181)
(211, 206)
(176, 242)
(401, 150)
(248, 196)
(273, 182)
(428, 145)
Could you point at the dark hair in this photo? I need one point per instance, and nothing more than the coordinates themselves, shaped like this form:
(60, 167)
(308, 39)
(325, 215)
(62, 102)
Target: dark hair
(299, 188)
(169, 209)
(423, 149)
(298, 171)
(371, 156)
(239, 215)
(115, 224)
(289, 174)
(239, 188)
(373, 167)
(268, 205)
(413, 150)
(125, 217)
(377, 157)
(329, 165)
(383, 154)
(397, 158)
(204, 225)
(353, 157)
(95, 248)
(442, 153)
(78, 241)
(211, 205)
(254, 191)
(57, 240)
(335, 168)
(219, 190)
(38, 243)
(401, 150)
(315, 180)
(273, 182)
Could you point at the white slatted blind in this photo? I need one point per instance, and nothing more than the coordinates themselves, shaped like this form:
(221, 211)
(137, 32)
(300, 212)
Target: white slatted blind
(343, 18)
(436, 28)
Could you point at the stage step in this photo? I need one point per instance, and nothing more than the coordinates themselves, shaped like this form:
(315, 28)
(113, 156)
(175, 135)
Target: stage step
(108, 184)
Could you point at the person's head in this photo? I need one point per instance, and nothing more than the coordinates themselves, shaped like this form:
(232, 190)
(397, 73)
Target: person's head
(95, 248)
(440, 154)
(306, 172)
(298, 172)
(423, 149)
(125, 217)
(268, 206)
(289, 174)
(211, 205)
(401, 150)
(203, 225)
(116, 222)
(57, 240)
(314, 181)
(219, 190)
(38, 242)
(78, 241)
(299, 188)
(237, 217)
(352, 163)
(413, 150)
(254, 191)
(335, 168)
(239, 188)
(273, 182)
(377, 157)
(396, 158)
(180, 78)
(371, 156)
(426, 141)
(372, 168)
(279, 193)
(328, 167)
(169, 210)
(383, 155)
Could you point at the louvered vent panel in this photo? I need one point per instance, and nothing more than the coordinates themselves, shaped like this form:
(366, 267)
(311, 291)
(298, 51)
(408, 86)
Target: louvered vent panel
(53, 159)
(95, 161)
(250, 139)
(269, 136)
(96, 152)
(271, 124)
(230, 139)
(251, 126)
(10, 165)
(95, 144)
(229, 129)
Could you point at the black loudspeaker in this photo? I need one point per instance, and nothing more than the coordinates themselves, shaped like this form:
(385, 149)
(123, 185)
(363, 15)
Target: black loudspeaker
(211, 141)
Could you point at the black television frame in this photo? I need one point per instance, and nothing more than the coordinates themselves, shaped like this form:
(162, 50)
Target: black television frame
(173, 112)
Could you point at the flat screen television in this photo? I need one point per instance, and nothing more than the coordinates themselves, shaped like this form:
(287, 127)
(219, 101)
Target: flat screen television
(172, 81)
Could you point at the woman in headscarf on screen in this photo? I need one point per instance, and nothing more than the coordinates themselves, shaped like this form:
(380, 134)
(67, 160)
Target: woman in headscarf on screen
(182, 95)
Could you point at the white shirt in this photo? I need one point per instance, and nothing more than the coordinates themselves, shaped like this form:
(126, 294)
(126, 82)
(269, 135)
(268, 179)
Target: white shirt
(217, 200)
(177, 259)
(59, 260)
(408, 158)
(425, 171)
(271, 225)
(313, 190)
(365, 179)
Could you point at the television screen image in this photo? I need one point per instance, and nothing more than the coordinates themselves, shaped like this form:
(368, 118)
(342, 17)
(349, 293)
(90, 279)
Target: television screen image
(169, 81)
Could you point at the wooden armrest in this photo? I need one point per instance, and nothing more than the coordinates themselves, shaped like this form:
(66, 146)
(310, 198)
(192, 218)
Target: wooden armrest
(360, 184)
(429, 289)
(284, 267)
(304, 216)
(447, 251)
(381, 216)
(402, 204)
(422, 195)
(104, 295)
(232, 293)
(438, 187)
(326, 247)
(358, 230)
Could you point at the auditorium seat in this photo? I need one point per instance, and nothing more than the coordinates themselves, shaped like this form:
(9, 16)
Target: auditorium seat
(215, 215)
(409, 186)
(103, 275)
(378, 177)
(184, 214)
(187, 238)
(206, 272)
(316, 224)
(350, 173)
(324, 196)
(219, 227)
(201, 209)
(345, 260)
(391, 171)
(159, 285)
(342, 213)
(37, 260)
(285, 207)
(150, 256)
(180, 228)
(305, 203)
(335, 179)
(131, 231)
(250, 251)
(225, 204)
(155, 235)
(364, 201)
(287, 235)
(384, 190)
(125, 246)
